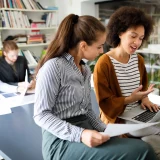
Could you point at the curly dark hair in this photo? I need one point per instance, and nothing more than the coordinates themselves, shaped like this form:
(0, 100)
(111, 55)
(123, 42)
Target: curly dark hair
(124, 18)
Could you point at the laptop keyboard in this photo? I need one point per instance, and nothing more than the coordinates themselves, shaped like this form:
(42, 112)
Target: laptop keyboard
(145, 116)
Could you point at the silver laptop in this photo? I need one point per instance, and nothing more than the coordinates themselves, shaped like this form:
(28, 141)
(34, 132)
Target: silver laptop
(139, 115)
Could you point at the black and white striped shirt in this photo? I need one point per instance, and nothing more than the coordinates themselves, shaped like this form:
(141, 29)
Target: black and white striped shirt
(62, 92)
(128, 76)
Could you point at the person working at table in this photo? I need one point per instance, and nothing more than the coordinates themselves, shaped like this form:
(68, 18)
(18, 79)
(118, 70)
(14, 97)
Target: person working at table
(13, 67)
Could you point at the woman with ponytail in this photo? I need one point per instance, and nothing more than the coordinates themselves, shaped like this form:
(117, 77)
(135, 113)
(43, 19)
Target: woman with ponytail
(70, 128)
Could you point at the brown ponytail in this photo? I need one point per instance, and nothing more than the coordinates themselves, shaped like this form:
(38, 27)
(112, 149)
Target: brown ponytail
(71, 31)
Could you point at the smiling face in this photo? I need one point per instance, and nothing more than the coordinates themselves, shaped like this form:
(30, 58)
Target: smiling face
(90, 52)
(132, 39)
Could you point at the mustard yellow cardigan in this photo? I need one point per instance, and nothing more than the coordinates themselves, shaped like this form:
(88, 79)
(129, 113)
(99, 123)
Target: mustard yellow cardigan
(107, 89)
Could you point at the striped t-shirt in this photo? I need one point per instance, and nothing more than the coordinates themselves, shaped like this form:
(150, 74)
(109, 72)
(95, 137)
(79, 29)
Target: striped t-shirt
(128, 76)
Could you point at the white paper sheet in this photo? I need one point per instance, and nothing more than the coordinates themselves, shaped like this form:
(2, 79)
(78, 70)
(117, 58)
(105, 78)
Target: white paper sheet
(1, 157)
(119, 129)
(4, 108)
(154, 99)
(18, 101)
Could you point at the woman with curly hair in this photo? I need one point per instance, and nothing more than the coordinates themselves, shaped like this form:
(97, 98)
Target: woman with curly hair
(120, 77)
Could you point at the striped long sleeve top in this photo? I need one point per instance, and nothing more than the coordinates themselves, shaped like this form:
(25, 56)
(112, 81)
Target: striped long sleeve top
(62, 92)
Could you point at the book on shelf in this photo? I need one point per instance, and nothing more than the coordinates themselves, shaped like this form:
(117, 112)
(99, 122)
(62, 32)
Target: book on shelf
(21, 39)
(21, 4)
(15, 19)
(51, 8)
(1, 4)
(4, 4)
(6, 24)
(51, 19)
(39, 5)
(33, 4)
(27, 4)
(30, 58)
(35, 39)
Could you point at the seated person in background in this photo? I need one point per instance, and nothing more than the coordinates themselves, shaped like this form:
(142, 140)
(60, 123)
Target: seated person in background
(120, 77)
(62, 99)
(13, 67)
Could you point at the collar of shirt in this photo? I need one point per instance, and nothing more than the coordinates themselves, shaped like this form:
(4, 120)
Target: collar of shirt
(69, 57)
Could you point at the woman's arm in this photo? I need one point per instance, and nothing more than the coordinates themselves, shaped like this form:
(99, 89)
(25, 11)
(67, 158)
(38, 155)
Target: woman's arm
(46, 93)
(95, 120)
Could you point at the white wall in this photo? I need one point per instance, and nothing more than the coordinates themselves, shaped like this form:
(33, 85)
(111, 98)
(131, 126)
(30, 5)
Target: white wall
(79, 7)
(87, 8)
(46, 3)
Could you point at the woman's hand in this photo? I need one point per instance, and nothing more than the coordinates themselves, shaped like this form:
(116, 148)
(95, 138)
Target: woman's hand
(92, 138)
(137, 94)
(22, 86)
(32, 84)
(146, 103)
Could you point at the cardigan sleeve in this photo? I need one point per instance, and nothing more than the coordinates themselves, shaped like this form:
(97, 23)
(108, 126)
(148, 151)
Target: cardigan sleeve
(107, 89)
(143, 73)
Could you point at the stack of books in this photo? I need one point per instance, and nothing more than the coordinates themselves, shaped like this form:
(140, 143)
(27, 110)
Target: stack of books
(32, 39)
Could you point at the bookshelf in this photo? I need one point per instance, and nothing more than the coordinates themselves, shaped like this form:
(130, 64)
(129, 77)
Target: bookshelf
(29, 18)
(38, 28)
